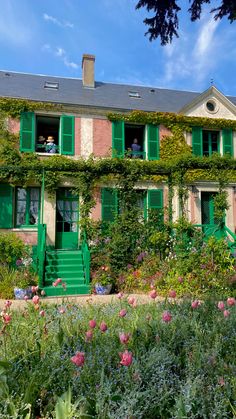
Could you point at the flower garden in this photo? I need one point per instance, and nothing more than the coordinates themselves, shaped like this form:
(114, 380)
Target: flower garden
(169, 359)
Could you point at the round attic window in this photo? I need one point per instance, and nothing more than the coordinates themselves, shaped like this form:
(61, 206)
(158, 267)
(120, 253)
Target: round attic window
(211, 106)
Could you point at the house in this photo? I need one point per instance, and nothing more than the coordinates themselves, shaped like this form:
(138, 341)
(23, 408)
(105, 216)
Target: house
(70, 119)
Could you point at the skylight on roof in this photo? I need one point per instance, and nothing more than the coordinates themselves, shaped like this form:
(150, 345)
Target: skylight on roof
(51, 85)
(134, 94)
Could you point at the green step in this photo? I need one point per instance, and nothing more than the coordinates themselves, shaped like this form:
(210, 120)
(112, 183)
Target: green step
(51, 291)
(53, 262)
(63, 273)
(68, 281)
(64, 255)
(64, 268)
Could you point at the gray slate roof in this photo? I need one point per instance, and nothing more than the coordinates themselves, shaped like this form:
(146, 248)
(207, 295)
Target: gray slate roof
(104, 95)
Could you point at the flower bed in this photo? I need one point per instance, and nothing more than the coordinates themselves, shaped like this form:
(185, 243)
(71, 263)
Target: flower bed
(119, 360)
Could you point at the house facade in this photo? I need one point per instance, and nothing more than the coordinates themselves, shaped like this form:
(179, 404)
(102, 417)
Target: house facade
(78, 127)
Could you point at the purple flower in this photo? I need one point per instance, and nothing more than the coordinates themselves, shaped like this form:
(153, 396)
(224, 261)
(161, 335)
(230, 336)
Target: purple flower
(107, 240)
(18, 262)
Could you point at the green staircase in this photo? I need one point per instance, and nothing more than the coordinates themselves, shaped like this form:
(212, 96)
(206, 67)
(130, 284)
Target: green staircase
(70, 267)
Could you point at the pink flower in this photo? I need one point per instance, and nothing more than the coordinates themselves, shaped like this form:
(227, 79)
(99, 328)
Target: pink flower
(124, 338)
(123, 312)
(172, 294)
(6, 318)
(92, 324)
(89, 335)
(62, 310)
(221, 381)
(78, 359)
(34, 289)
(180, 279)
(35, 299)
(231, 301)
(132, 301)
(195, 304)
(221, 305)
(126, 358)
(120, 295)
(166, 317)
(26, 297)
(57, 282)
(8, 303)
(42, 313)
(103, 327)
(226, 313)
(153, 294)
(43, 293)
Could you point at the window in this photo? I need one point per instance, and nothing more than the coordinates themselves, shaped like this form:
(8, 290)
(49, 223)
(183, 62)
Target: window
(206, 142)
(210, 142)
(135, 141)
(134, 95)
(27, 206)
(47, 134)
(51, 85)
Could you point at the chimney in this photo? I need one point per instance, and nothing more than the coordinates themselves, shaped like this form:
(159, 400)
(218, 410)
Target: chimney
(88, 70)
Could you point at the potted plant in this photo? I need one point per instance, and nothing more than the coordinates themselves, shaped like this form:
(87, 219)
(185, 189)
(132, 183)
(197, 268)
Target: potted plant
(102, 280)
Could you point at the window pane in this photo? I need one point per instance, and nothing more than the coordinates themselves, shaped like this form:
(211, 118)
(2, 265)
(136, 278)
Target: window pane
(34, 194)
(20, 218)
(34, 210)
(21, 194)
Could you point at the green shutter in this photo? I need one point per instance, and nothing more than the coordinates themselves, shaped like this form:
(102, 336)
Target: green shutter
(6, 206)
(67, 134)
(155, 200)
(27, 132)
(109, 204)
(153, 146)
(197, 145)
(118, 139)
(228, 148)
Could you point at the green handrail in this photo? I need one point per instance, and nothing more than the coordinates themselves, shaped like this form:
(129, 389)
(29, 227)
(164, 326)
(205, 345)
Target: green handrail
(86, 257)
(41, 253)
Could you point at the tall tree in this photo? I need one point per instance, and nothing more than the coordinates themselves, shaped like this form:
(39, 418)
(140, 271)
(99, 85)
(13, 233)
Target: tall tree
(165, 23)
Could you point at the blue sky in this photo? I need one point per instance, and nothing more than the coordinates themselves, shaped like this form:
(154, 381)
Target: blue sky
(50, 37)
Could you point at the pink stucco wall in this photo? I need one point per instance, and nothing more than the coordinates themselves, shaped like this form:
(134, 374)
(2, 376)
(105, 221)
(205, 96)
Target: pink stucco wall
(192, 208)
(77, 136)
(234, 210)
(13, 125)
(163, 131)
(102, 137)
(96, 212)
(28, 237)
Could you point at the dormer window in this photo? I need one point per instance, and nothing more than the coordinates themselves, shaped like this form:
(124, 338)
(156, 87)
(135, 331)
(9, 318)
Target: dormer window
(51, 85)
(134, 95)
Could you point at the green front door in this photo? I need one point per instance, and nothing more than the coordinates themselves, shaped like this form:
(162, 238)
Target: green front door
(67, 217)
(210, 225)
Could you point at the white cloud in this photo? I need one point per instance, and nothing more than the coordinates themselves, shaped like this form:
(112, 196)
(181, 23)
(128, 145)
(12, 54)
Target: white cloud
(62, 24)
(60, 53)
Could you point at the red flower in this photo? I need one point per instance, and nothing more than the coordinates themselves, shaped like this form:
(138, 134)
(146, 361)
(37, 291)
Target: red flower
(124, 338)
(195, 304)
(153, 294)
(221, 305)
(92, 324)
(132, 301)
(89, 335)
(123, 312)
(231, 301)
(226, 313)
(78, 359)
(35, 299)
(103, 327)
(172, 294)
(8, 303)
(166, 317)
(42, 313)
(126, 358)
(6, 318)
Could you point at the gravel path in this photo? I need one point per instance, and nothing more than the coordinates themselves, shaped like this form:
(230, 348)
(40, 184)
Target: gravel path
(83, 299)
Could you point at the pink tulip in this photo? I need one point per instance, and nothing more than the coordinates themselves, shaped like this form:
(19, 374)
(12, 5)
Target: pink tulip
(172, 294)
(126, 358)
(166, 317)
(89, 335)
(92, 324)
(43, 293)
(132, 301)
(103, 327)
(8, 303)
(62, 310)
(226, 313)
(35, 299)
(221, 305)
(153, 294)
(231, 301)
(195, 304)
(26, 297)
(120, 295)
(34, 289)
(6, 318)
(124, 338)
(123, 312)
(78, 359)
(42, 313)
(180, 279)
(57, 282)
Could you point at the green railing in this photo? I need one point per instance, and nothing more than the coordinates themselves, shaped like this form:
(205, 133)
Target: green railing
(41, 253)
(135, 154)
(86, 257)
(231, 238)
(215, 230)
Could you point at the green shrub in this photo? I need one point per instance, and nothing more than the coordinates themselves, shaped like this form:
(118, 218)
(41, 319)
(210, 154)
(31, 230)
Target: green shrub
(11, 248)
(11, 278)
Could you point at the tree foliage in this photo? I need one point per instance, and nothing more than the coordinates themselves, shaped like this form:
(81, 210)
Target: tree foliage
(165, 22)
